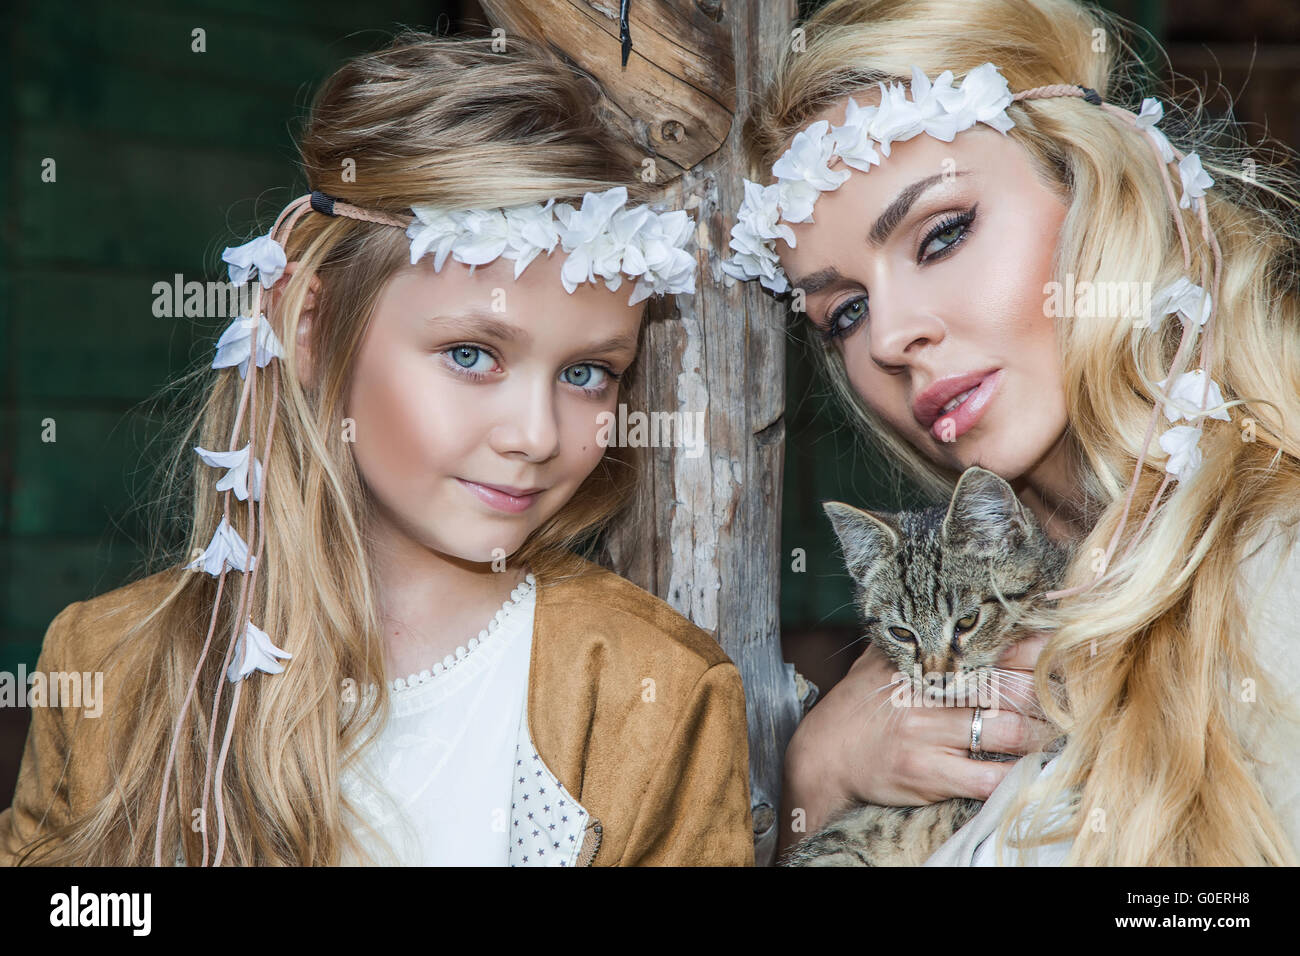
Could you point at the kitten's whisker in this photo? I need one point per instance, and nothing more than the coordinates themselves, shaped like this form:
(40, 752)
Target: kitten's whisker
(846, 647)
(1012, 678)
(882, 690)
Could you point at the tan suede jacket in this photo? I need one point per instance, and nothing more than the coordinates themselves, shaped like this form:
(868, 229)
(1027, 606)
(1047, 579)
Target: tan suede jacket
(660, 778)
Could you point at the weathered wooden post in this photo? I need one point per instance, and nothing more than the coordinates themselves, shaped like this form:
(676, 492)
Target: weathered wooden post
(706, 537)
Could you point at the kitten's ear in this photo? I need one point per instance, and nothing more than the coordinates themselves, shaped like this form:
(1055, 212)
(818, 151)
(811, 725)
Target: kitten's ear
(986, 513)
(864, 538)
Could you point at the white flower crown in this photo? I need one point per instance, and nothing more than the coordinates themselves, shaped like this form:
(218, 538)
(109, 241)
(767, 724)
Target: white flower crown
(605, 242)
(803, 172)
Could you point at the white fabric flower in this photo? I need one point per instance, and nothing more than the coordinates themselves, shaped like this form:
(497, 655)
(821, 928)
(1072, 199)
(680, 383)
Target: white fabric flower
(653, 254)
(1195, 180)
(754, 256)
(531, 231)
(235, 344)
(255, 652)
(432, 229)
(805, 164)
(898, 118)
(584, 234)
(985, 97)
(227, 549)
(1185, 397)
(237, 477)
(483, 236)
(943, 111)
(1186, 298)
(1152, 112)
(263, 254)
(852, 141)
(1180, 444)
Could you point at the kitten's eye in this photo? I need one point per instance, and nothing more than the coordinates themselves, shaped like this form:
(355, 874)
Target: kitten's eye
(903, 634)
(967, 622)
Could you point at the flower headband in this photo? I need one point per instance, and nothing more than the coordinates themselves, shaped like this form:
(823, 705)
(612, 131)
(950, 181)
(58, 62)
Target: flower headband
(941, 110)
(604, 241)
(803, 172)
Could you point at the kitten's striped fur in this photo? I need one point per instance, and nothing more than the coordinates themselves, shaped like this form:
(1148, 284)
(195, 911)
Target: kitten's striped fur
(936, 575)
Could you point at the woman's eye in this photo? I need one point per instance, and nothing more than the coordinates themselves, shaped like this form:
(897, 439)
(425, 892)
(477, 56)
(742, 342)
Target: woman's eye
(468, 356)
(851, 312)
(945, 238)
(947, 234)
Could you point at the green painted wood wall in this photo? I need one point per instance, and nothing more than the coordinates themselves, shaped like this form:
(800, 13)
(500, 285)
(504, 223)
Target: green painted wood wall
(163, 155)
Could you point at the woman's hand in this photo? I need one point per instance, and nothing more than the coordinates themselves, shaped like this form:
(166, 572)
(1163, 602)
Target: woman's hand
(858, 746)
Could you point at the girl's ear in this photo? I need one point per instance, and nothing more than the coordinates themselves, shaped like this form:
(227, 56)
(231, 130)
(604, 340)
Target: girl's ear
(306, 320)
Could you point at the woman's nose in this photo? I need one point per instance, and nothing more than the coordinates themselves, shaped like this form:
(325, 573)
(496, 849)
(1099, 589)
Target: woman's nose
(903, 320)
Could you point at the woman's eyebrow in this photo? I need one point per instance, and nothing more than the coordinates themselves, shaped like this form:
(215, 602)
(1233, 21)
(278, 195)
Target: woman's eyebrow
(897, 210)
(894, 214)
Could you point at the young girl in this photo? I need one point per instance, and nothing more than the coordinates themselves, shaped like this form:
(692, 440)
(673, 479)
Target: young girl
(385, 648)
(975, 166)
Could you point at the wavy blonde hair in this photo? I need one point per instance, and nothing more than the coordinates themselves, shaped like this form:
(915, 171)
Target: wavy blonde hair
(428, 119)
(1155, 734)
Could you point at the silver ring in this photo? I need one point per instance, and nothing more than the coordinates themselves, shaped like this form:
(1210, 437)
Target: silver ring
(976, 725)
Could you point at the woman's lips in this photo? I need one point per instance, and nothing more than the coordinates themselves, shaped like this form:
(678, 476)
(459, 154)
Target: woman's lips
(512, 504)
(952, 425)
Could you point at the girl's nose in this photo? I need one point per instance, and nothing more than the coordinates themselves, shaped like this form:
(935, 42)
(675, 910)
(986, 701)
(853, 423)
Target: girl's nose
(527, 422)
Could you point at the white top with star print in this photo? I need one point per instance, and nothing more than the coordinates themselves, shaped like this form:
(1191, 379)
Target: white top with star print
(436, 785)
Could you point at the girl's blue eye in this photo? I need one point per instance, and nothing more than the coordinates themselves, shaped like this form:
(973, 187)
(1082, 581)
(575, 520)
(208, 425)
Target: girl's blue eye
(467, 356)
(583, 376)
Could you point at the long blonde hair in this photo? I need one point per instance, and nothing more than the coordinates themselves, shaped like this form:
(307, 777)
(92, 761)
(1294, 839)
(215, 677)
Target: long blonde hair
(428, 119)
(1153, 721)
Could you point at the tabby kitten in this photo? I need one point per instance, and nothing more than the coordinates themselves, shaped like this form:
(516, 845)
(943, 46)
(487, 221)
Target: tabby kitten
(926, 588)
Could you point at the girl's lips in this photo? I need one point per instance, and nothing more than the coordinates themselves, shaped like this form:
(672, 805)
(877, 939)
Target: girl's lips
(954, 424)
(512, 504)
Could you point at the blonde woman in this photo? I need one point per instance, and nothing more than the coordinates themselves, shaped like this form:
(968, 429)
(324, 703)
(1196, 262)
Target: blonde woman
(405, 661)
(958, 217)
